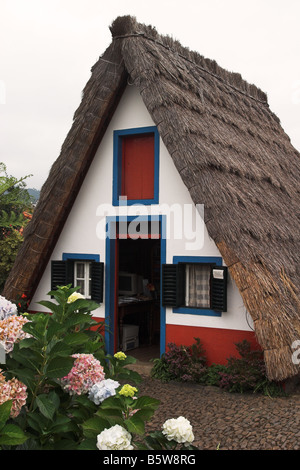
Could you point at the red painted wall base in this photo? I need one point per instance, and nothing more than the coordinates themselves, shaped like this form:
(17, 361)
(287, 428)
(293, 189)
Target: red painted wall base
(219, 344)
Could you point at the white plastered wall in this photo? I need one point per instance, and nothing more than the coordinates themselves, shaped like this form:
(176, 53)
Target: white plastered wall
(94, 202)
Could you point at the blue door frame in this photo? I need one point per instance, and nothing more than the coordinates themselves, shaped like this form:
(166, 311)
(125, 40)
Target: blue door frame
(110, 274)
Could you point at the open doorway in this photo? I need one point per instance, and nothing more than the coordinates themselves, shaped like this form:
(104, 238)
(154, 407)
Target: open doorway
(138, 301)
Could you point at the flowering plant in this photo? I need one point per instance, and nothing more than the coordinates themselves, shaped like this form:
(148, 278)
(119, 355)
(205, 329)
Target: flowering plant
(73, 297)
(85, 372)
(13, 390)
(64, 392)
(179, 430)
(114, 438)
(7, 308)
(120, 356)
(11, 331)
(128, 391)
(102, 390)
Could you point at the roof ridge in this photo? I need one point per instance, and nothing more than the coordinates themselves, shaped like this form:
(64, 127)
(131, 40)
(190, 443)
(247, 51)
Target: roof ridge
(265, 102)
(127, 26)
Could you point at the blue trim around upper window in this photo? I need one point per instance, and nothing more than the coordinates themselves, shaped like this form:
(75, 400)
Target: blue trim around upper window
(80, 256)
(117, 164)
(217, 260)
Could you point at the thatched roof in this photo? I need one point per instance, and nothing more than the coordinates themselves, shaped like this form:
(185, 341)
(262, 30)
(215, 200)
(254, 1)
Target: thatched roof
(231, 153)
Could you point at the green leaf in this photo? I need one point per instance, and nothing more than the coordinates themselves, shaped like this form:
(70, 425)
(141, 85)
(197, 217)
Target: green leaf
(113, 403)
(27, 343)
(135, 425)
(46, 407)
(74, 339)
(63, 424)
(51, 306)
(37, 326)
(145, 401)
(113, 415)
(145, 414)
(152, 443)
(82, 304)
(58, 348)
(5, 411)
(59, 367)
(94, 426)
(12, 435)
(88, 444)
(27, 376)
(77, 319)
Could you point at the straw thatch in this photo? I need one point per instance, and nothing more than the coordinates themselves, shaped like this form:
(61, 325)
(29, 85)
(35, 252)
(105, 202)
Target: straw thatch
(231, 153)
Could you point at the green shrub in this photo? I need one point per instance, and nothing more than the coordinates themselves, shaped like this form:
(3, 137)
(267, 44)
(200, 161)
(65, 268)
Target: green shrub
(247, 373)
(181, 363)
(59, 390)
(243, 374)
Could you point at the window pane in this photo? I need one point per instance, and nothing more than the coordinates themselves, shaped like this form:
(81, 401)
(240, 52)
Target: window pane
(80, 270)
(198, 285)
(80, 283)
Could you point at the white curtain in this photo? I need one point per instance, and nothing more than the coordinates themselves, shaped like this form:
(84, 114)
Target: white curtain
(198, 285)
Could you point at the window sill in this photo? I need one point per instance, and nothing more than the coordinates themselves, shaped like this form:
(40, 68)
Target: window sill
(197, 311)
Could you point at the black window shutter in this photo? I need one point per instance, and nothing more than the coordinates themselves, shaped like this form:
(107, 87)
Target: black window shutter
(58, 274)
(97, 270)
(173, 285)
(70, 272)
(219, 288)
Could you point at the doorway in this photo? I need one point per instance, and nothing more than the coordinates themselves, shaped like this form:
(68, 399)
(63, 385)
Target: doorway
(138, 309)
(134, 316)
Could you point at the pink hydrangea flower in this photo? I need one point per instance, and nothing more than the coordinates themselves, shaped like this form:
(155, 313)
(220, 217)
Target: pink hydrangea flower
(86, 371)
(11, 331)
(13, 390)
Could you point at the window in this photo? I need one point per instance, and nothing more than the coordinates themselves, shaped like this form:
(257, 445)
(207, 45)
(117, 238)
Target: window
(195, 285)
(82, 277)
(136, 166)
(84, 270)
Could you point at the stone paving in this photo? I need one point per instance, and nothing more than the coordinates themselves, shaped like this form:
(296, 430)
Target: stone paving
(227, 421)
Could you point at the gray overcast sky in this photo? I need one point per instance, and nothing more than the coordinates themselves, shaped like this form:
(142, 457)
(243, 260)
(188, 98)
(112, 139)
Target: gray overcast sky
(47, 48)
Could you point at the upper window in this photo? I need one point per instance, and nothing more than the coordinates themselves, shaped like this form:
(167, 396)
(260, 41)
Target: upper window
(195, 285)
(136, 166)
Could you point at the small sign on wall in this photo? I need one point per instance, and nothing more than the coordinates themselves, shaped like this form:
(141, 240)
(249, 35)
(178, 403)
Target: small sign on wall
(218, 273)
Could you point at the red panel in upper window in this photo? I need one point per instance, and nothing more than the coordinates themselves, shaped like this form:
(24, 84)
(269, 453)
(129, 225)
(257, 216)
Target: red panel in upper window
(138, 166)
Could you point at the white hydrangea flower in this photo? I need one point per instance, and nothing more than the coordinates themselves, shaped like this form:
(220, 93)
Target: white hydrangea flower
(74, 296)
(114, 438)
(179, 430)
(102, 390)
(7, 308)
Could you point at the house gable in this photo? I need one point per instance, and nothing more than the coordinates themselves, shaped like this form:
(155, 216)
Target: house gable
(85, 228)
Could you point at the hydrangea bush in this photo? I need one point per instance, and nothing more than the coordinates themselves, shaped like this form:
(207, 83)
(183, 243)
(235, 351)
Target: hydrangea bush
(7, 308)
(60, 390)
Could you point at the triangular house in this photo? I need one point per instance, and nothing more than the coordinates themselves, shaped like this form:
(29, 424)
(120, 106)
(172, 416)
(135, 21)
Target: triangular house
(211, 140)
